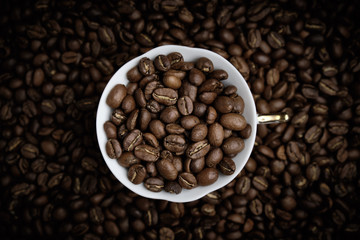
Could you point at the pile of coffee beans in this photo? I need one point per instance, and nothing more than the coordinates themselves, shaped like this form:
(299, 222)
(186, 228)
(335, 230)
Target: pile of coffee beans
(175, 125)
(302, 57)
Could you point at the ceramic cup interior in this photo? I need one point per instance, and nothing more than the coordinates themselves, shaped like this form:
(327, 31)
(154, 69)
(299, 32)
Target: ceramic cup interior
(189, 54)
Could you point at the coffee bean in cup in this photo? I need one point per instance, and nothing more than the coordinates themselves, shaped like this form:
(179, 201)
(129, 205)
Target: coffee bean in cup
(180, 126)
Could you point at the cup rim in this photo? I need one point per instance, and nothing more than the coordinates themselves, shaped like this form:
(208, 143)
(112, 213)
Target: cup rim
(195, 193)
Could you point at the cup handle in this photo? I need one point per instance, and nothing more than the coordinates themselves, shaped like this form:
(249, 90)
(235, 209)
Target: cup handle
(272, 118)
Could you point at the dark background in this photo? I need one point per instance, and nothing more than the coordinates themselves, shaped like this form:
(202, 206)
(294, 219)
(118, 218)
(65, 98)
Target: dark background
(52, 175)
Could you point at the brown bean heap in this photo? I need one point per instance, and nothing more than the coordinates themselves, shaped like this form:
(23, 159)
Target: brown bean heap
(175, 125)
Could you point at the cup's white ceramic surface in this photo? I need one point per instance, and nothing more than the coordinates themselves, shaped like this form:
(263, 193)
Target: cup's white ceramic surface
(189, 54)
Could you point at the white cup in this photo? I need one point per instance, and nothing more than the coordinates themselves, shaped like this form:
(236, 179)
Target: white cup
(190, 55)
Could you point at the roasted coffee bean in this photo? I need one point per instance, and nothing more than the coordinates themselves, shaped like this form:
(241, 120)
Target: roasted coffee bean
(118, 117)
(223, 104)
(243, 185)
(227, 166)
(275, 40)
(233, 145)
(157, 128)
(211, 115)
(183, 66)
(175, 143)
(146, 66)
(140, 98)
(134, 75)
(172, 81)
(187, 89)
(153, 106)
(216, 134)
(144, 119)
(256, 207)
(260, 183)
(214, 157)
(137, 173)
(254, 38)
(128, 104)
(198, 149)
(233, 121)
(174, 128)
(151, 140)
(173, 187)
(166, 169)
(196, 77)
(146, 153)
(175, 57)
(113, 148)
(110, 130)
(328, 87)
(169, 114)
(338, 127)
(132, 120)
(166, 96)
(199, 132)
(211, 85)
(188, 122)
(195, 165)
(132, 139)
(154, 184)
(207, 176)
(246, 132)
(187, 180)
(204, 64)
(313, 134)
(162, 63)
(127, 159)
(207, 97)
(185, 105)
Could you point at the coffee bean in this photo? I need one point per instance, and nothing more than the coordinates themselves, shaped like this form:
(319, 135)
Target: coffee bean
(128, 159)
(198, 149)
(196, 77)
(172, 81)
(207, 176)
(146, 153)
(146, 66)
(166, 96)
(175, 57)
(110, 129)
(175, 143)
(214, 157)
(233, 121)
(185, 105)
(154, 184)
(227, 166)
(174, 128)
(166, 169)
(256, 207)
(328, 87)
(199, 132)
(137, 173)
(233, 145)
(204, 64)
(260, 183)
(157, 128)
(169, 114)
(187, 180)
(116, 96)
(162, 63)
(243, 185)
(223, 104)
(132, 139)
(134, 75)
(173, 187)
